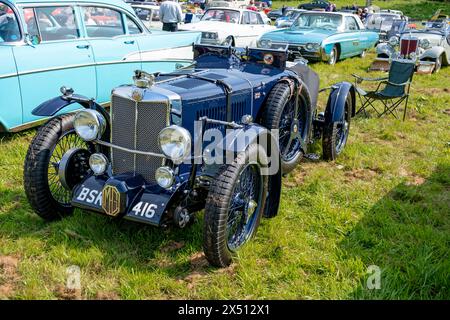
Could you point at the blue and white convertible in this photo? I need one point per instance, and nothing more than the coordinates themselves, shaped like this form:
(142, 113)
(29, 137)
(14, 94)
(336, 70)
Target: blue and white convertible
(91, 45)
(323, 36)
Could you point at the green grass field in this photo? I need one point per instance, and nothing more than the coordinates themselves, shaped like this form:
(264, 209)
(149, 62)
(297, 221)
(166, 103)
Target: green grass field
(415, 9)
(385, 202)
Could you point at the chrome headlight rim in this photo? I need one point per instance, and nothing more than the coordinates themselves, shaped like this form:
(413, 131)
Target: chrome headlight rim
(165, 177)
(91, 130)
(166, 143)
(265, 43)
(210, 35)
(101, 166)
(425, 44)
(312, 46)
(394, 41)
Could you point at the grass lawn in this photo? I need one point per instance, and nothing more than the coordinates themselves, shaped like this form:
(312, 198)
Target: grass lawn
(415, 9)
(385, 202)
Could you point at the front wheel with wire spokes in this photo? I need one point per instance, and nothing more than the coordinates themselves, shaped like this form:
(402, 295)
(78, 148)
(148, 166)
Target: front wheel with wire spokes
(234, 206)
(49, 197)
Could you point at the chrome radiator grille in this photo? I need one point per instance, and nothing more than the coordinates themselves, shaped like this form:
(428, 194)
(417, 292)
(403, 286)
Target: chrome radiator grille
(136, 126)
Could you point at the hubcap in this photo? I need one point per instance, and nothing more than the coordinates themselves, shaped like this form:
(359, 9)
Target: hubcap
(332, 56)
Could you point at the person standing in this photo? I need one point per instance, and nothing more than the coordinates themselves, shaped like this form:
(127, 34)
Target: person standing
(170, 15)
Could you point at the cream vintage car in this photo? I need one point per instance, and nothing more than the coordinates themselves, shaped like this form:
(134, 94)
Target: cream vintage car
(229, 26)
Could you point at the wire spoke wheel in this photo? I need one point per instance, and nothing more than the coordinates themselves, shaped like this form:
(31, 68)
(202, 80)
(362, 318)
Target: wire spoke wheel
(289, 146)
(68, 141)
(244, 207)
(290, 120)
(235, 204)
(342, 132)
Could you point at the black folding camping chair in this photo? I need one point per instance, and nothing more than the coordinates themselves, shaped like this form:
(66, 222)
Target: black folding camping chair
(395, 91)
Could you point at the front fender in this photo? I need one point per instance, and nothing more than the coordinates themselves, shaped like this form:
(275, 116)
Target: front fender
(238, 140)
(433, 53)
(53, 106)
(336, 101)
(385, 49)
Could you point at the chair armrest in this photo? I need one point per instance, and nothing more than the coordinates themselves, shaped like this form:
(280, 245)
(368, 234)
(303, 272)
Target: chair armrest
(369, 79)
(398, 84)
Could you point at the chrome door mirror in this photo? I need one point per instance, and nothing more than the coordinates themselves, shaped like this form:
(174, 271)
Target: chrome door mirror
(32, 40)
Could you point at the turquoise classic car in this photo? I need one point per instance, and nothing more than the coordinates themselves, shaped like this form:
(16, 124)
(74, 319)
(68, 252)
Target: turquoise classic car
(323, 36)
(91, 46)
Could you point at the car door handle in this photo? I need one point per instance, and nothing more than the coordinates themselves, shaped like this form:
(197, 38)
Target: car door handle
(83, 46)
(129, 42)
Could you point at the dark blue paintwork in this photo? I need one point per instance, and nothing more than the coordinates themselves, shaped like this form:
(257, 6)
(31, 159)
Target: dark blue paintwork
(246, 77)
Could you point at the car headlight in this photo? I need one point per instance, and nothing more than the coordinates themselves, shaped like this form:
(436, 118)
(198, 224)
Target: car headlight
(393, 41)
(312, 46)
(265, 43)
(425, 43)
(175, 143)
(98, 163)
(210, 35)
(165, 177)
(89, 124)
(413, 56)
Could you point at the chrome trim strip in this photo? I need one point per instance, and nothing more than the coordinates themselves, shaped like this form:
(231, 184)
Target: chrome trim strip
(136, 114)
(24, 73)
(107, 144)
(8, 75)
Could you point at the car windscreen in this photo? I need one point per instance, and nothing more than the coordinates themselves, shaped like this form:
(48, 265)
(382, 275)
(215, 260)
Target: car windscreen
(290, 13)
(436, 24)
(375, 21)
(318, 21)
(222, 15)
(9, 26)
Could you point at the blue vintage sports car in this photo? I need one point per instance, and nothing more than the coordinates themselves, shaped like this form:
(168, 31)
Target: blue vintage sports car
(90, 45)
(217, 136)
(323, 36)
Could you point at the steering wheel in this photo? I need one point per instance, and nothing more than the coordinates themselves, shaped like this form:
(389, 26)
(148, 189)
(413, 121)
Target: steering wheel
(327, 26)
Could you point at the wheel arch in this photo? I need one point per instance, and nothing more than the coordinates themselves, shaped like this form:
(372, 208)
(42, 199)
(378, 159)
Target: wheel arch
(238, 140)
(337, 99)
(2, 127)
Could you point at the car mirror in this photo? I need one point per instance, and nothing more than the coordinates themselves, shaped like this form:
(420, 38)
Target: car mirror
(32, 40)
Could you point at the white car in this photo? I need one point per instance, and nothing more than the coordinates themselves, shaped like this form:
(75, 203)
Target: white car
(228, 26)
(149, 15)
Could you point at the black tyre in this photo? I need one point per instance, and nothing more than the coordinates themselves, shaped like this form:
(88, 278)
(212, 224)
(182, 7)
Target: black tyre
(43, 188)
(279, 114)
(334, 56)
(234, 206)
(335, 134)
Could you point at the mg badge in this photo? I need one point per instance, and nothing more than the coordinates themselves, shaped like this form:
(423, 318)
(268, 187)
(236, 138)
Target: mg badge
(295, 128)
(137, 95)
(111, 201)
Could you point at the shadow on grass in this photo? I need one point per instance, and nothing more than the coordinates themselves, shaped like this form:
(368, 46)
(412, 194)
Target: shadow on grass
(407, 235)
(121, 243)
